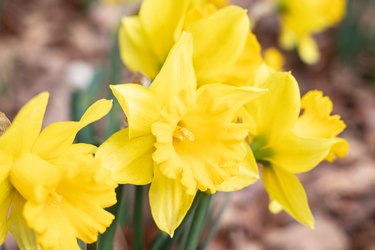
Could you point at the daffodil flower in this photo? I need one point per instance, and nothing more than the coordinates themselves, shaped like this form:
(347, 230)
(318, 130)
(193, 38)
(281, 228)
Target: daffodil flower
(225, 50)
(51, 190)
(284, 145)
(179, 139)
(301, 19)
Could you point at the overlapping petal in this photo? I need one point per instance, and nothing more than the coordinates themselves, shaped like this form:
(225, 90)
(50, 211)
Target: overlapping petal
(22, 233)
(245, 68)
(58, 137)
(140, 106)
(26, 127)
(129, 160)
(247, 174)
(232, 96)
(317, 122)
(276, 111)
(169, 202)
(286, 189)
(177, 73)
(6, 192)
(135, 49)
(297, 155)
(162, 21)
(219, 40)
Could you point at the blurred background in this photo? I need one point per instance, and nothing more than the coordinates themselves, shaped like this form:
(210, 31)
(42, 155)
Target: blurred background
(69, 48)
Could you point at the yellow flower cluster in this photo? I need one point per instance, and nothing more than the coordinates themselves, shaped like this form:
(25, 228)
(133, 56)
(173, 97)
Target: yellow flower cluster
(215, 109)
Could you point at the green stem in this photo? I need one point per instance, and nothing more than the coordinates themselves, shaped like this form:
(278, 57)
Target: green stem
(198, 222)
(216, 222)
(106, 240)
(81, 244)
(138, 220)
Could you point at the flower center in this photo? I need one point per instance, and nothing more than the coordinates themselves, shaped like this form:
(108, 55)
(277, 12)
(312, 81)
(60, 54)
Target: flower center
(183, 134)
(54, 199)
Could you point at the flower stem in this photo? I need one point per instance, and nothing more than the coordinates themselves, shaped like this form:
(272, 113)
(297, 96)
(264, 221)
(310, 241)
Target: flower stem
(198, 222)
(216, 222)
(138, 220)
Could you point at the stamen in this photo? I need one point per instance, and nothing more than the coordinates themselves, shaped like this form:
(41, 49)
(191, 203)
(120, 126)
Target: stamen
(183, 134)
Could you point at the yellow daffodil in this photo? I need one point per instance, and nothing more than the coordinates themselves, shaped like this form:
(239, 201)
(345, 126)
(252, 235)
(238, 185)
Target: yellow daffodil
(285, 145)
(179, 139)
(52, 191)
(300, 19)
(225, 50)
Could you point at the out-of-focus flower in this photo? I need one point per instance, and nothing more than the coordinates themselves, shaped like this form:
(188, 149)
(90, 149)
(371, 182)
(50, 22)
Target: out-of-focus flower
(225, 50)
(274, 59)
(179, 139)
(284, 146)
(53, 191)
(301, 19)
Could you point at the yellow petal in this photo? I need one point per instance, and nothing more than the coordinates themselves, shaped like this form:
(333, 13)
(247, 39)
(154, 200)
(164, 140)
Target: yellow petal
(219, 40)
(247, 174)
(298, 155)
(129, 160)
(58, 137)
(169, 202)
(82, 148)
(85, 195)
(140, 106)
(280, 103)
(274, 58)
(75, 207)
(243, 72)
(177, 72)
(275, 207)
(48, 224)
(316, 120)
(36, 182)
(135, 48)
(162, 21)
(288, 39)
(235, 97)
(21, 135)
(22, 233)
(308, 50)
(6, 192)
(286, 189)
(339, 149)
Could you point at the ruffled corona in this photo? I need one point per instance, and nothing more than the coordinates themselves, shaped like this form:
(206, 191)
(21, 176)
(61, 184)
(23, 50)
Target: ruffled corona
(198, 141)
